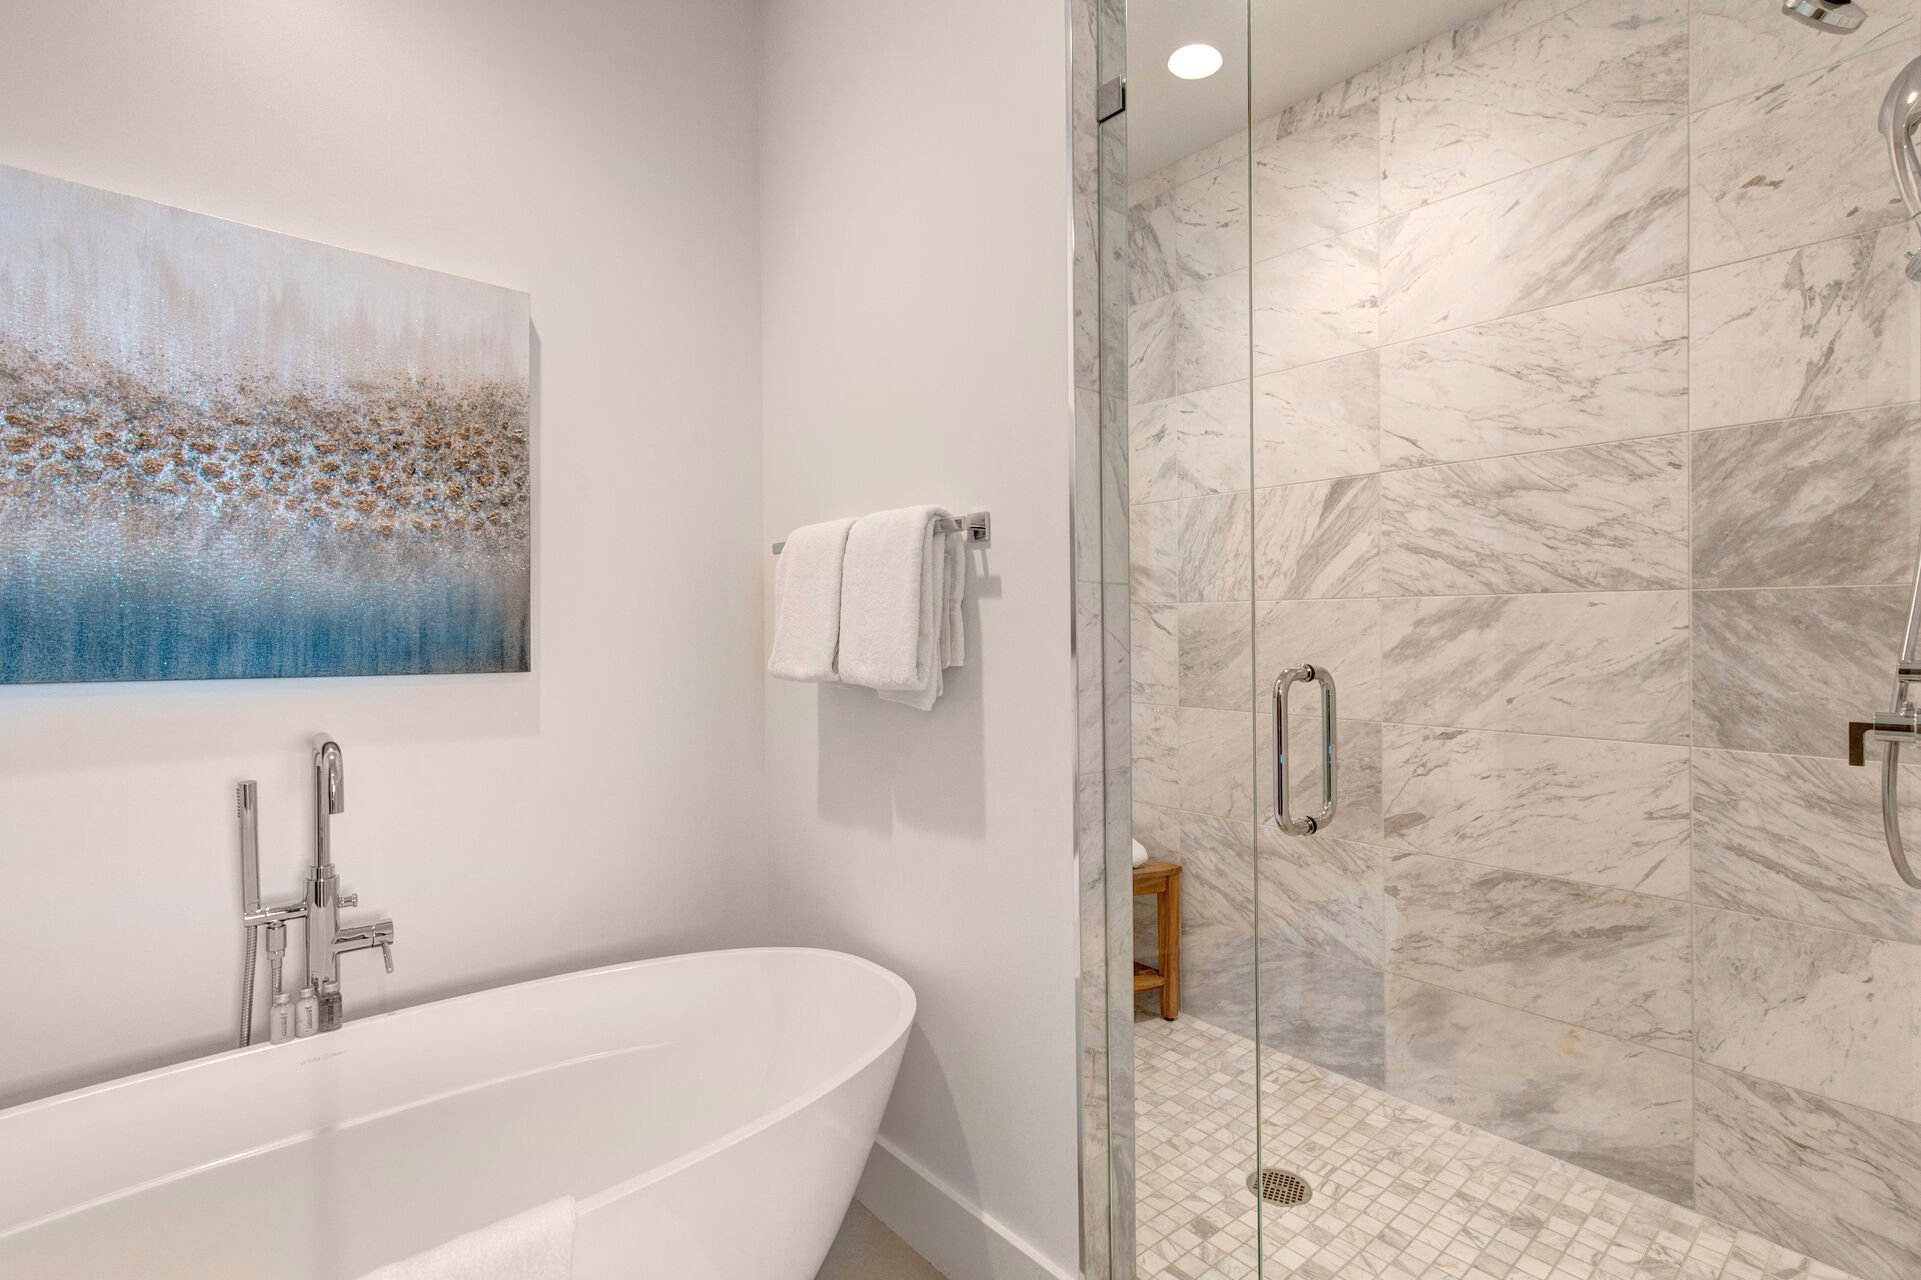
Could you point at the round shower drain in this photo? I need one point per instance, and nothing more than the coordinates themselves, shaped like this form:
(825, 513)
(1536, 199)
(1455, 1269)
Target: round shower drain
(1278, 1186)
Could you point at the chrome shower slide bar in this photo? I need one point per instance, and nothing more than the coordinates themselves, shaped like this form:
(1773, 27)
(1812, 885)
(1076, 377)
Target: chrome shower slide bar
(1899, 725)
(977, 525)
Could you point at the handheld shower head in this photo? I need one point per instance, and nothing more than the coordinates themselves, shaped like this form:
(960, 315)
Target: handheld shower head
(1836, 17)
(1900, 112)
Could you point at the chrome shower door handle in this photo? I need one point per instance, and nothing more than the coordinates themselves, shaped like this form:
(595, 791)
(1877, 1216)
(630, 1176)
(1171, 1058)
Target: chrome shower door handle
(1289, 824)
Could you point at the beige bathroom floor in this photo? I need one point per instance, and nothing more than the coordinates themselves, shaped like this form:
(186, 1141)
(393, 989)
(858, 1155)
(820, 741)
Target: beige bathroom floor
(867, 1250)
(1399, 1192)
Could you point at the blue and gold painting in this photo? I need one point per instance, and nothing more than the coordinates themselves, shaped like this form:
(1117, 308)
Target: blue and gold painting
(231, 454)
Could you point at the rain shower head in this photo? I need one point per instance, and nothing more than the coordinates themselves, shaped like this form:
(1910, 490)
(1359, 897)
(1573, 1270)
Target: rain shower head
(1836, 17)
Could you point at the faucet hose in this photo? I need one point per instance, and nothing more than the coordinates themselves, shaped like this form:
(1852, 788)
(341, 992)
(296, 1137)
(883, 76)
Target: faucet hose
(246, 986)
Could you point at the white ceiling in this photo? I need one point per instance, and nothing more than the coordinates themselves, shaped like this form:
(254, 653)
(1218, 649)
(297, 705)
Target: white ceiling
(1299, 47)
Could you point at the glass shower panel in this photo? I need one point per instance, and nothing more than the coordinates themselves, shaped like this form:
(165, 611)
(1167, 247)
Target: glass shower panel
(1190, 619)
(1582, 404)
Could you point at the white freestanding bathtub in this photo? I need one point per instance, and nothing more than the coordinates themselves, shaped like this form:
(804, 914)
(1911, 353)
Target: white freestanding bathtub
(711, 1113)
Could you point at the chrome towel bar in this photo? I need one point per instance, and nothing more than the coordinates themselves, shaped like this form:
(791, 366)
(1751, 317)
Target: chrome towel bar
(977, 525)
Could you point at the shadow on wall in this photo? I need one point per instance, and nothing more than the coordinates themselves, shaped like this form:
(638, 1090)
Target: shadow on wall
(882, 763)
(937, 1125)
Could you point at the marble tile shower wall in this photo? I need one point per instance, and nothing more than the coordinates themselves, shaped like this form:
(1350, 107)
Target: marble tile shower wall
(1557, 385)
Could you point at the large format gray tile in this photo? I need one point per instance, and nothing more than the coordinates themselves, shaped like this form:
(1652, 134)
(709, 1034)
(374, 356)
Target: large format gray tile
(1609, 517)
(1322, 1007)
(1217, 872)
(1739, 47)
(1215, 536)
(1217, 762)
(1223, 151)
(1319, 539)
(1317, 302)
(1217, 977)
(1512, 17)
(1600, 71)
(1210, 429)
(1585, 372)
(1612, 814)
(1618, 1108)
(1151, 474)
(1317, 182)
(1157, 755)
(1609, 961)
(1209, 323)
(1837, 1014)
(1806, 331)
(1799, 838)
(1217, 650)
(1152, 336)
(1599, 666)
(1154, 670)
(1318, 422)
(1323, 895)
(1342, 636)
(1500, 23)
(1837, 1182)
(1154, 552)
(1210, 225)
(1785, 670)
(1150, 248)
(1352, 94)
(1606, 219)
(1828, 501)
(1315, 1005)
(1159, 831)
(1764, 181)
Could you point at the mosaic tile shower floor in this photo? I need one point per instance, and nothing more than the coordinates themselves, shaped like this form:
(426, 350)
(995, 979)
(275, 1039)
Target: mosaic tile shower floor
(1399, 1192)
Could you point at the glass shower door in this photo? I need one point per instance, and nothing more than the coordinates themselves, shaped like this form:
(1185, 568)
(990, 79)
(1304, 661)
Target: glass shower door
(1582, 381)
(1190, 618)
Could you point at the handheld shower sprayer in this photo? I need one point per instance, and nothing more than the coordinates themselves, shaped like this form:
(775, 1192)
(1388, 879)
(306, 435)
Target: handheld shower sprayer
(1900, 112)
(1900, 725)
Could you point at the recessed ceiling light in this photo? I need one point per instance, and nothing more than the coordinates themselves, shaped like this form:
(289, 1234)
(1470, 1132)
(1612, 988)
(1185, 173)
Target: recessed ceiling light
(1194, 61)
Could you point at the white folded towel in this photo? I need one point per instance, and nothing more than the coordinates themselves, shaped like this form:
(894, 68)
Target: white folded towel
(536, 1245)
(807, 602)
(949, 634)
(902, 585)
(1140, 853)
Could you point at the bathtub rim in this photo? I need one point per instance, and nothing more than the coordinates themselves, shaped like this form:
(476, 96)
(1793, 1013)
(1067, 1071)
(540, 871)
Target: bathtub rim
(867, 1055)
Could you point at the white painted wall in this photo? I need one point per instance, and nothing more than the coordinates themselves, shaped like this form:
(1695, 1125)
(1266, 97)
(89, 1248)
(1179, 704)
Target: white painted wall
(915, 289)
(599, 154)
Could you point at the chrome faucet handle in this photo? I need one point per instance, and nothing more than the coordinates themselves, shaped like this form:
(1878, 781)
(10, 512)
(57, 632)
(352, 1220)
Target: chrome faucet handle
(349, 899)
(387, 953)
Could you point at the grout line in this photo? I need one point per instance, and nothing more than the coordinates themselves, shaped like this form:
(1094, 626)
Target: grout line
(1686, 277)
(1693, 478)
(1562, 593)
(1873, 47)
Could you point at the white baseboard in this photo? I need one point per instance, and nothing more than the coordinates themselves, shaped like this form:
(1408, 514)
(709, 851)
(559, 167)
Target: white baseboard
(963, 1241)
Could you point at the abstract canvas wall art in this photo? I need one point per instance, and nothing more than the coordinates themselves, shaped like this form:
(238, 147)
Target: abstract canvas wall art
(226, 453)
